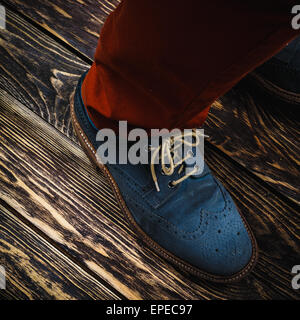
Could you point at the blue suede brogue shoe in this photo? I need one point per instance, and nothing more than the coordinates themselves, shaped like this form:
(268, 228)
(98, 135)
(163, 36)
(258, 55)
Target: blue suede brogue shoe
(190, 220)
(280, 76)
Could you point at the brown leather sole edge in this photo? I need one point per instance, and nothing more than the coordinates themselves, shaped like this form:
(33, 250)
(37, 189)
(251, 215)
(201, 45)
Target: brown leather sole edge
(271, 88)
(91, 153)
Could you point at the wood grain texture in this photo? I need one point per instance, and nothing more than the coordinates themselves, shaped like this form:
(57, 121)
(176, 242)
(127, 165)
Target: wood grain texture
(73, 22)
(257, 132)
(36, 270)
(261, 133)
(38, 72)
(51, 183)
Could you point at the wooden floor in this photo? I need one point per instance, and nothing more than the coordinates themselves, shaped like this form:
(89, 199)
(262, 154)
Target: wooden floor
(62, 234)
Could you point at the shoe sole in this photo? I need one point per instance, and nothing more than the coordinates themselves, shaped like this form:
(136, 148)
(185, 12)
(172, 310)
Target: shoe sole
(271, 88)
(91, 153)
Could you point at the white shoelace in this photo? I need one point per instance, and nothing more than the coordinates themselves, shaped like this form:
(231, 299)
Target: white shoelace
(168, 147)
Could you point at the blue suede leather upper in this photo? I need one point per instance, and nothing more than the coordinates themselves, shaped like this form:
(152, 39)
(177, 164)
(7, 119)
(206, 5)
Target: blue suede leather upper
(197, 220)
(283, 69)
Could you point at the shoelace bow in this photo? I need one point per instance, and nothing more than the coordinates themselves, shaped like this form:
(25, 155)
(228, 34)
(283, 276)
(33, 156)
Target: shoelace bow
(169, 146)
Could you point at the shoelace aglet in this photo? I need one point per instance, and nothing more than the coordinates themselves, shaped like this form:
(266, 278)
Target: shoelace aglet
(157, 186)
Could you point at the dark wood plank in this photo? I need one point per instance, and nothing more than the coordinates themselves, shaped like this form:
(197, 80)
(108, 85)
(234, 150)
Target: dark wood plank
(50, 182)
(261, 133)
(35, 269)
(244, 126)
(38, 72)
(73, 22)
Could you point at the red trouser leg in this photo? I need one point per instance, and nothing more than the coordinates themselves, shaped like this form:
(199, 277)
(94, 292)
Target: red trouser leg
(161, 64)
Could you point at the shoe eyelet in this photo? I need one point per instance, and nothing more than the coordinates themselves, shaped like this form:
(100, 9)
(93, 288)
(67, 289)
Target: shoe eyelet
(171, 185)
(191, 153)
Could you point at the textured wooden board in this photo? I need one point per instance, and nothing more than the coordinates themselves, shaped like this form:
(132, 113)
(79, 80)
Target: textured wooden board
(38, 72)
(35, 269)
(256, 132)
(74, 22)
(48, 179)
(261, 133)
